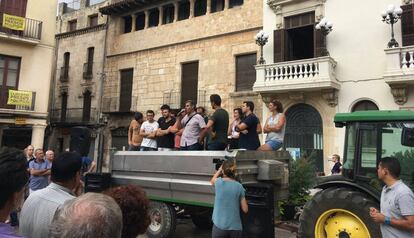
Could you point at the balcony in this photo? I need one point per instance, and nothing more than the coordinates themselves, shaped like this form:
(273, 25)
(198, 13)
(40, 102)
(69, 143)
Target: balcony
(399, 72)
(74, 116)
(300, 75)
(88, 70)
(31, 31)
(20, 102)
(64, 74)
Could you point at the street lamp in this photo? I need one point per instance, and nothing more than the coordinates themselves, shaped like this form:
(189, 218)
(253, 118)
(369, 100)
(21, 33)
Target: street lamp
(391, 16)
(324, 26)
(261, 39)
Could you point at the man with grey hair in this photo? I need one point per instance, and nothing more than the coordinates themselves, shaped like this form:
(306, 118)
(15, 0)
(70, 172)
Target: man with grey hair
(88, 216)
(50, 155)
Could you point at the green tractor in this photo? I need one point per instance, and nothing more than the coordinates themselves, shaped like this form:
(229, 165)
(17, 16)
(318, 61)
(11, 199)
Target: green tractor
(341, 208)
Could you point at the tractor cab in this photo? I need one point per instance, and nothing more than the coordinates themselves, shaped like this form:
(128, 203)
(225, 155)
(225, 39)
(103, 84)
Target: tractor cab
(371, 135)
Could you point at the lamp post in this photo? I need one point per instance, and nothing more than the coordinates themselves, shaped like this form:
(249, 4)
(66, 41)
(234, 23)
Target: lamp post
(325, 27)
(391, 16)
(261, 39)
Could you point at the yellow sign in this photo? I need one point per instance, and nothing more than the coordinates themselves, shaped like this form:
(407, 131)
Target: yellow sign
(19, 121)
(13, 22)
(20, 98)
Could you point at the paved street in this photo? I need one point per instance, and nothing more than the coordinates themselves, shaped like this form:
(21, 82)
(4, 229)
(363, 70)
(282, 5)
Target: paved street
(186, 229)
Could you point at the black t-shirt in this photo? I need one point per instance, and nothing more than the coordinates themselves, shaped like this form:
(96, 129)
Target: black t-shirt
(250, 141)
(166, 141)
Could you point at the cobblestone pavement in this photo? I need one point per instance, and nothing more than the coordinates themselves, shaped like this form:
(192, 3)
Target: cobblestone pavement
(186, 229)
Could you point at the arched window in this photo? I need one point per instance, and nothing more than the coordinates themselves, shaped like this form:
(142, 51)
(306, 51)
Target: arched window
(365, 105)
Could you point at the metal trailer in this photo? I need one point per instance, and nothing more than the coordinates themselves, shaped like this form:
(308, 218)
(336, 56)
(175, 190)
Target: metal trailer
(178, 182)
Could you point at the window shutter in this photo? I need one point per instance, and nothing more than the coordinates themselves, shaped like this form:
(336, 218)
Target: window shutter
(126, 90)
(407, 25)
(245, 72)
(320, 44)
(279, 45)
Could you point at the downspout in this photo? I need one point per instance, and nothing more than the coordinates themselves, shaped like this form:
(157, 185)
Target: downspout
(102, 125)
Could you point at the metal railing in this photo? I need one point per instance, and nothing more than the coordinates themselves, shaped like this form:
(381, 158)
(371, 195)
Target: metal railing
(74, 115)
(88, 70)
(32, 29)
(24, 108)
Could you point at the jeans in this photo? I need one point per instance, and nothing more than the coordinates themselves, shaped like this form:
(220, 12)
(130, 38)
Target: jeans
(196, 146)
(134, 148)
(216, 146)
(219, 233)
(143, 148)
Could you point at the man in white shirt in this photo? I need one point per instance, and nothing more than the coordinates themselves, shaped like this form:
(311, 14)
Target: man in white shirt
(40, 207)
(148, 131)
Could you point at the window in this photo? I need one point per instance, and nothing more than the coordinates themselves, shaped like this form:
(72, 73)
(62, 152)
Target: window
(88, 66)
(125, 95)
(72, 25)
(364, 105)
(86, 111)
(245, 72)
(217, 5)
(64, 71)
(93, 20)
(9, 78)
(140, 21)
(200, 7)
(14, 7)
(168, 14)
(63, 106)
(407, 25)
(299, 39)
(127, 24)
(154, 17)
(183, 10)
(189, 82)
(235, 3)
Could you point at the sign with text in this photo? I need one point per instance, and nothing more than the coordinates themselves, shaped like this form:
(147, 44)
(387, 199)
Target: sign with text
(20, 98)
(13, 22)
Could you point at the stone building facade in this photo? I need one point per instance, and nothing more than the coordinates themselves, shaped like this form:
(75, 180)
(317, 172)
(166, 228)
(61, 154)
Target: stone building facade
(171, 51)
(26, 60)
(350, 69)
(76, 96)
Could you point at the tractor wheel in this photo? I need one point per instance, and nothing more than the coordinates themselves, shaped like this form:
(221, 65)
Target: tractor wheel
(163, 220)
(338, 212)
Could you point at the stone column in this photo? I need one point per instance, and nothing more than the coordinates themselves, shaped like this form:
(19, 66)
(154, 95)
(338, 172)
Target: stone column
(146, 19)
(208, 7)
(134, 21)
(226, 4)
(160, 15)
(38, 135)
(192, 2)
(176, 11)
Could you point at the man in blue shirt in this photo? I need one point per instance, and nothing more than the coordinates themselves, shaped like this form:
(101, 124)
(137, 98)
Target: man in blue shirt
(39, 171)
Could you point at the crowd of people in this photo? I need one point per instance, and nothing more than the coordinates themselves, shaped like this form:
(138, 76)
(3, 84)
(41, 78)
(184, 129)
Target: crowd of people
(192, 129)
(57, 210)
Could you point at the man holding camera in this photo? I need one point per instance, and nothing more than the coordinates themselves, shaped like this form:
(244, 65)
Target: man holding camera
(194, 128)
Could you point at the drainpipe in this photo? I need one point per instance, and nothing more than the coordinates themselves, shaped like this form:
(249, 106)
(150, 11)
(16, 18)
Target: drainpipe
(102, 125)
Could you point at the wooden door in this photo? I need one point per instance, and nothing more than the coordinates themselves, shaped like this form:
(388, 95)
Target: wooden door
(125, 95)
(9, 78)
(189, 82)
(87, 102)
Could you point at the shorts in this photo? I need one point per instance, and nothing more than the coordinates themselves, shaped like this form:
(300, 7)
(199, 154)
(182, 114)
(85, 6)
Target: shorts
(274, 144)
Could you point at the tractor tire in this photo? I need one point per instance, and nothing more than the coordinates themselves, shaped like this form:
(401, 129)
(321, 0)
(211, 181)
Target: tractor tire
(163, 221)
(202, 220)
(339, 213)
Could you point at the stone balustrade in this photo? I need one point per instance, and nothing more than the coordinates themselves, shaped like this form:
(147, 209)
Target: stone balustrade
(399, 65)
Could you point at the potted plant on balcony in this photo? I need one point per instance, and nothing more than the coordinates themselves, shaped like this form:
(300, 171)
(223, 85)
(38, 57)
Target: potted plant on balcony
(301, 178)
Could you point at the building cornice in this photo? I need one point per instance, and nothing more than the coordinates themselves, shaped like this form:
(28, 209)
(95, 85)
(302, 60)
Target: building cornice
(81, 31)
(123, 6)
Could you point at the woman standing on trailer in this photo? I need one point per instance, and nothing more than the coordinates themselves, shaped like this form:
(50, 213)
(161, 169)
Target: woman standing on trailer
(274, 127)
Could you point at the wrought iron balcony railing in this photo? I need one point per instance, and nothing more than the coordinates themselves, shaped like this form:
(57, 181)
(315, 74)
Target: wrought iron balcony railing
(32, 29)
(74, 115)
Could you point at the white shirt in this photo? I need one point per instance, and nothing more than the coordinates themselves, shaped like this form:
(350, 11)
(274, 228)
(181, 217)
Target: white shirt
(39, 208)
(149, 127)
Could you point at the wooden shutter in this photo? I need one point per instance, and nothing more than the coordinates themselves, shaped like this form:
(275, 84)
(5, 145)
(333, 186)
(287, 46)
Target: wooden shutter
(279, 45)
(87, 103)
(189, 82)
(245, 72)
(125, 95)
(407, 25)
(320, 44)
(14, 7)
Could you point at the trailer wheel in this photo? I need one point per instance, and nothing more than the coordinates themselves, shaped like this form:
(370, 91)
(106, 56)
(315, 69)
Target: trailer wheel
(202, 219)
(162, 220)
(338, 212)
